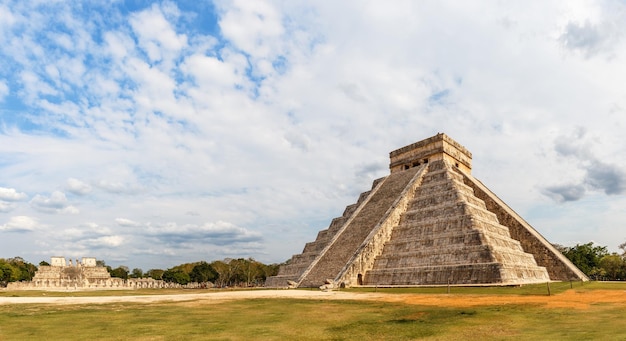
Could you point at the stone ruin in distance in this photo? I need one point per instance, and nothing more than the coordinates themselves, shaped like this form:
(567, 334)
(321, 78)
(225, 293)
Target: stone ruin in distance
(85, 274)
(429, 222)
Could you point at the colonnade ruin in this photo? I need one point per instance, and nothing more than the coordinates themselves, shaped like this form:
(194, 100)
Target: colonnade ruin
(83, 275)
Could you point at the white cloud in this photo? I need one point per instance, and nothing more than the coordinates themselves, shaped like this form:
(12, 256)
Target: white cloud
(209, 71)
(20, 224)
(105, 241)
(127, 222)
(56, 203)
(156, 34)
(78, 187)
(262, 30)
(10, 194)
(34, 86)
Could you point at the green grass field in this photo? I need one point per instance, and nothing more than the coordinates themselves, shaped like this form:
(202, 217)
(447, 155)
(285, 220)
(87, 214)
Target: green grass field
(291, 319)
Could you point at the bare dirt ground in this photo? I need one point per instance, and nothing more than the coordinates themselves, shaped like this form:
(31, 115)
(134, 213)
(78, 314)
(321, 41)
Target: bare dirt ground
(568, 299)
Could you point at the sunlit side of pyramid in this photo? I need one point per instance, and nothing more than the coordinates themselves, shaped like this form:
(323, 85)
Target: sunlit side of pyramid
(429, 222)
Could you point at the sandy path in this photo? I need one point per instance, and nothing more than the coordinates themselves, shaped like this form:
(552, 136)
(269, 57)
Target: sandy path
(568, 299)
(213, 296)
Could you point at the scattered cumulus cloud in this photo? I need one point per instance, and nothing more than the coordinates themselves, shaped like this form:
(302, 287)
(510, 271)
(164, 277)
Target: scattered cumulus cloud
(8, 197)
(77, 187)
(20, 224)
(155, 33)
(10, 194)
(56, 203)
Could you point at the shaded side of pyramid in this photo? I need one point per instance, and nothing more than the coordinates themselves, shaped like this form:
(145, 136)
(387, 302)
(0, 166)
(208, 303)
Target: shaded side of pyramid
(429, 222)
(558, 266)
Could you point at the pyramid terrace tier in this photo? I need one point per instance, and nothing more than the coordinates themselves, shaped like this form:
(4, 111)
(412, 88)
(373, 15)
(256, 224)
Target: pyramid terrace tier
(469, 274)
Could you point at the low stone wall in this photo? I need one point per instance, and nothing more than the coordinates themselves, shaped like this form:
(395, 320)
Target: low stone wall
(98, 284)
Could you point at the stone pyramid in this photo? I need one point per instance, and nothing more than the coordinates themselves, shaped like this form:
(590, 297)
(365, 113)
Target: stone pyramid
(429, 222)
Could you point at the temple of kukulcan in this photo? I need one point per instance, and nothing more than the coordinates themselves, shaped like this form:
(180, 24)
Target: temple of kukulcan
(429, 222)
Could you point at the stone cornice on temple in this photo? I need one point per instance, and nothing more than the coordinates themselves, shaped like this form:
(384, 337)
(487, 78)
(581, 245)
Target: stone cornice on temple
(438, 147)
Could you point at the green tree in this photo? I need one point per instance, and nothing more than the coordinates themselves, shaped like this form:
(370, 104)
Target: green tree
(44, 263)
(176, 276)
(25, 270)
(203, 272)
(614, 267)
(587, 257)
(270, 270)
(155, 273)
(254, 272)
(119, 272)
(8, 273)
(136, 273)
(223, 270)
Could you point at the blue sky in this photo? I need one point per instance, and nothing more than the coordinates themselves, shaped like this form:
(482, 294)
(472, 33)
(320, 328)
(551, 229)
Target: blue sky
(150, 134)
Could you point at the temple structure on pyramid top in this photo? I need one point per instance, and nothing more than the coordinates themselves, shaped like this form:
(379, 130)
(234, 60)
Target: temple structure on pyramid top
(429, 222)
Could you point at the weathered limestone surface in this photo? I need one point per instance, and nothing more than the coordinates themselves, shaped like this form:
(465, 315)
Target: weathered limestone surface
(429, 222)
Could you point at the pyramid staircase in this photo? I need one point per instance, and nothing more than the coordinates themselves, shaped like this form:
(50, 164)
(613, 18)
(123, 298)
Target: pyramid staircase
(293, 269)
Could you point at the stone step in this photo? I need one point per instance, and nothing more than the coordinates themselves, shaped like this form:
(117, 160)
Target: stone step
(416, 229)
(452, 255)
(434, 240)
(485, 273)
(436, 275)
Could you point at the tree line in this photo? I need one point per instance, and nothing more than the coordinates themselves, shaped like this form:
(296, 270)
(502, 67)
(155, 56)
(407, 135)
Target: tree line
(596, 261)
(230, 272)
(15, 269)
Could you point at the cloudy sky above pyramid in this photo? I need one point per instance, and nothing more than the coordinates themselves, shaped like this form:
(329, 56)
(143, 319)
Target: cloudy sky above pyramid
(151, 134)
